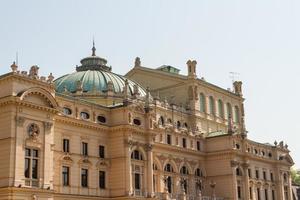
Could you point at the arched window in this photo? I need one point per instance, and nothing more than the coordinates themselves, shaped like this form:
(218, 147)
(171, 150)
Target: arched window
(221, 108)
(168, 168)
(67, 111)
(136, 155)
(229, 110)
(236, 114)
(238, 172)
(178, 124)
(211, 105)
(184, 170)
(185, 125)
(161, 121)
(198, 172)
(202, 102)
(84, 115)
(155, 166)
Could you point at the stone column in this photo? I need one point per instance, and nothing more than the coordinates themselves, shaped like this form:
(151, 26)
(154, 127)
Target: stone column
(129, 189)
(280, 189)
(234, 165)
(246, 180)
(150, 170)
(48, 155)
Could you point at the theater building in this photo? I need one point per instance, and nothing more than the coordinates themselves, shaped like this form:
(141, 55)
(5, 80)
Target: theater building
(151, 134)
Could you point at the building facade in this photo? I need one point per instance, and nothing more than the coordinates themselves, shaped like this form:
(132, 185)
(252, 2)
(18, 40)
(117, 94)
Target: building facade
(151, 134)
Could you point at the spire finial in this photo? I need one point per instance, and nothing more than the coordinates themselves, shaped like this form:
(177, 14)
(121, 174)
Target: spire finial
(94, 48)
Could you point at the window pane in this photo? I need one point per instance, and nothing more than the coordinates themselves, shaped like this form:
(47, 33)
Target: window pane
(84, 149)
(137, 181)
(27, 165)
(101, 151)
(66, 145)
(35, 153)
(102, 179)
(65, 174)
(84, 177)
(34, 169)
(27, 152)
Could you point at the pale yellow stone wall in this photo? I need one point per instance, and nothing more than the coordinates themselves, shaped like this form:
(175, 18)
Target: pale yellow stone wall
(218, 157)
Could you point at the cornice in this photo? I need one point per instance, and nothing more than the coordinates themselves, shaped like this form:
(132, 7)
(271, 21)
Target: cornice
(26, 79)
(15, 101)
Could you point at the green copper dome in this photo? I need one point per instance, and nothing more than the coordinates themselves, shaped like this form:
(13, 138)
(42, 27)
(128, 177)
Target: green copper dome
(94, 76)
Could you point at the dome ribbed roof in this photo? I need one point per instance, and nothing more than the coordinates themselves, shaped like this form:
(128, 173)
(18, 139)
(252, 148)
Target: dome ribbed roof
(95, 80)
(94, 75)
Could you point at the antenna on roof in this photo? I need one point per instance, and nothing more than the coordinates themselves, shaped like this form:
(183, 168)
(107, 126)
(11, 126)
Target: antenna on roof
(234, 75)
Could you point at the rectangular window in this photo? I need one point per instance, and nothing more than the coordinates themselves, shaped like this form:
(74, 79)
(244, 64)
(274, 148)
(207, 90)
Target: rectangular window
(137, 181)
(250, 193)
(249, 173)
(198, 146)
(31, 167)
(84, 177)
(264, 175)
(169, 140)
(271, 176)
(84, 148)
(266, 194)
(239, 192)
(183, 142)
(65, 176)
(257, 174)
(102, 179)
(101, 151)
(66, 144)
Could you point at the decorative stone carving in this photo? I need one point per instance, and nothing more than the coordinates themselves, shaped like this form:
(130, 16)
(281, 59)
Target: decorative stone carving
(33, 72)
(48, 125)
(234, 163)
(238, 88)
(33, 130)
(14, 67)
(137, 62)
(50, 78)
(20, 120)
(79, 86)
(148, 147)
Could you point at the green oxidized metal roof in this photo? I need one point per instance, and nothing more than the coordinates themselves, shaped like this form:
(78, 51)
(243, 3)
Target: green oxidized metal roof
(94, 80)
(94, 75)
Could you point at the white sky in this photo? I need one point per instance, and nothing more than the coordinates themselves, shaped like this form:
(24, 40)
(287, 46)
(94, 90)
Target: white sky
(258, 39)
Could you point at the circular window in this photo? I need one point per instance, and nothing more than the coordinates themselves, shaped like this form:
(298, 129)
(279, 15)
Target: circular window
(84, 115)
(101, 119)
(137, 122)
(67, 111)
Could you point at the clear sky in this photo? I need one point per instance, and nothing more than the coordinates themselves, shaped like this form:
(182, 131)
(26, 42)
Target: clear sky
(258, 39)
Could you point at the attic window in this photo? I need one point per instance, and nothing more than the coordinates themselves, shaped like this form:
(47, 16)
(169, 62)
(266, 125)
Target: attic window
(67, 111)
(101, 119)
(137, 122)
(84, 115)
